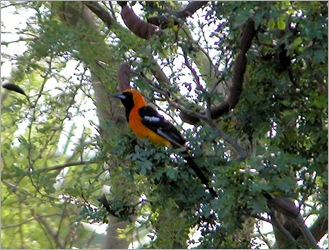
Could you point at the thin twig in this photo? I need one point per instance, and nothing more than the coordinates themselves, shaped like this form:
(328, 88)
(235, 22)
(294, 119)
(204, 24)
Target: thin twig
(194, 73)
(241, 152)
(62, 166)
(177, 103)
(263, 236)
(27, 221)
(4, 43)
(29, 148)
(48, 230)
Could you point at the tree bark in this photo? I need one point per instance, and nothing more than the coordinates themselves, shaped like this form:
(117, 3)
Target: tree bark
(71, 14)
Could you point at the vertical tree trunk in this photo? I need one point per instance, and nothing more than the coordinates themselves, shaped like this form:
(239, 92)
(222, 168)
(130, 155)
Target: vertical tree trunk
(71, 13)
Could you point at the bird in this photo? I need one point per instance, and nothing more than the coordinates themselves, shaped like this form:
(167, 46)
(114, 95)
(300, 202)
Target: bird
(146, 122)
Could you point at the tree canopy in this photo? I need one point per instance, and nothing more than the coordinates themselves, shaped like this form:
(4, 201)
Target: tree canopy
(246, 84)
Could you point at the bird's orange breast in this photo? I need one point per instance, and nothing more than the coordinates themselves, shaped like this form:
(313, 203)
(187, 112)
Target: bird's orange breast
(141, 131)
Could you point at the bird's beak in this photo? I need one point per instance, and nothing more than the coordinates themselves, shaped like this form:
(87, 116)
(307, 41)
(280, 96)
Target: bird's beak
(120, 96)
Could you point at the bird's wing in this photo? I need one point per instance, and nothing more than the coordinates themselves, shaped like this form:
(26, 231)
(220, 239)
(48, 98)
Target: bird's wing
(158, 124)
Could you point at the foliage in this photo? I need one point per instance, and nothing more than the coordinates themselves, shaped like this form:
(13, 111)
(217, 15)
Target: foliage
(64, 145)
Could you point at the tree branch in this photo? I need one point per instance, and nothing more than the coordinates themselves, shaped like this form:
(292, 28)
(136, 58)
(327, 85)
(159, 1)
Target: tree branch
(288, 208)
(194, 73)
(173, 100)
(139, 27)
(49, 230)
(99, 11)
(189, 10)
(27, 221)
(62, 166)
(124, 76)
(279, 226)
(306, 232)
(243, 154)
(320, 226)
(247, 34)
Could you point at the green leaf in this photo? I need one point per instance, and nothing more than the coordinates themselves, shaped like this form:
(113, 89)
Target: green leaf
(271, 23)
(281, 22)
(172, 173)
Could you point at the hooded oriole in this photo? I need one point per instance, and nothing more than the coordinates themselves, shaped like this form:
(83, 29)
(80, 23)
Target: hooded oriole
(146, 122)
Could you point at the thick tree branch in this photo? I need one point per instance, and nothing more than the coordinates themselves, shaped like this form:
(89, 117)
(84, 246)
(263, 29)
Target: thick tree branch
(276, 223)
(147, 29)
(239, 68)
(189, 10)
(105, 107)
(99, 11)
(320, 226)
(248, 33)
(283, 205)
(139, 27)
(124, 76)
(288, 208)
(306, 232)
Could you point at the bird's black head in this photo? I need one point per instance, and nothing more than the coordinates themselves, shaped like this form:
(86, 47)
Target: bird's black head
(127, 101)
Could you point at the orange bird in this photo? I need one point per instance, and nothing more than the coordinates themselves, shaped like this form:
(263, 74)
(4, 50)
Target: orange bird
(146, 122)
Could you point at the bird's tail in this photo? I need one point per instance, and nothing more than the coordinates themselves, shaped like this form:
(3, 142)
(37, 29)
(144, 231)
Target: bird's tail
(198, 172)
